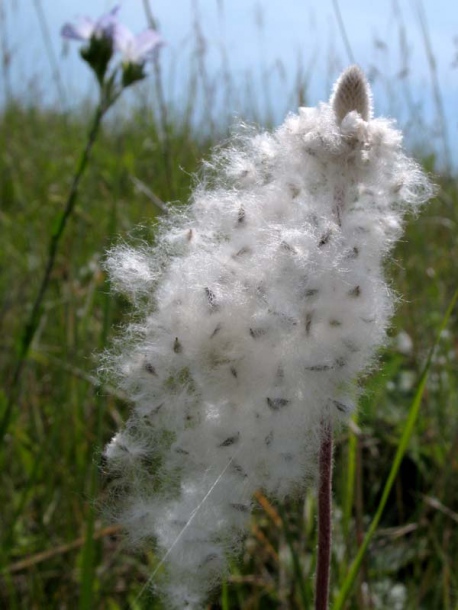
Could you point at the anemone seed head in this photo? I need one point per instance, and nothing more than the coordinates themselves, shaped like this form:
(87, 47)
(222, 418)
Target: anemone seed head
(256, 311)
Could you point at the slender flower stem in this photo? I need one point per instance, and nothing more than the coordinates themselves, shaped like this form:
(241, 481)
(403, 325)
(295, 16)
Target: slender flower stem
(324, 518)
(32, 324)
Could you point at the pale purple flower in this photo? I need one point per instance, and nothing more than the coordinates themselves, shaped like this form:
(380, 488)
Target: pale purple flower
(136, 49)
(86, 28)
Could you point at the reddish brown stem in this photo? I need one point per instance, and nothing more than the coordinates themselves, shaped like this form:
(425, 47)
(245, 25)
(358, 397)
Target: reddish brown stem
(324, 519)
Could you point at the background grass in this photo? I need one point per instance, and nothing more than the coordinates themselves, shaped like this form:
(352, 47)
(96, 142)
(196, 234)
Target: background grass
(55, 551)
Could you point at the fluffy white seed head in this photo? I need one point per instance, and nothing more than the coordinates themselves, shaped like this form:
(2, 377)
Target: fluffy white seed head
(257, 309)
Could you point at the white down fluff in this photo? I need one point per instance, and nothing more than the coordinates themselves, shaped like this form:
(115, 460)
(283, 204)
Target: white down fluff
(255, 311)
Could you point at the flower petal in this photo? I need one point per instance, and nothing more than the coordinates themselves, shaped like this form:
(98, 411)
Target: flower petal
(123, 39)
(136, 49)
(106, 25)
(146, 42)
(82, 30)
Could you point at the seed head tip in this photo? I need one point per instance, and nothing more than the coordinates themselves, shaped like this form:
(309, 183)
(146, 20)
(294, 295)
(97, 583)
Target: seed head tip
(352, 93)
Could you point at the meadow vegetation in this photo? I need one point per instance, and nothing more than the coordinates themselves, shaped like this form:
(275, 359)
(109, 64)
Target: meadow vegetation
(56, 549)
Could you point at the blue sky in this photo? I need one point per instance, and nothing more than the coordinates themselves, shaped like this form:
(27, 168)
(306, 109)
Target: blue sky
(269, 36)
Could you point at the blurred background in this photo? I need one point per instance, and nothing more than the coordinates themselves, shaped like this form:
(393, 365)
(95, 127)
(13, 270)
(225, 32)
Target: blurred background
(224, 62)
(266, 52)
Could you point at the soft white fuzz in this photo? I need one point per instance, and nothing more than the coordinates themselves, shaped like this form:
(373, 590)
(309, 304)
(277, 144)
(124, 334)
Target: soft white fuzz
(258, 307)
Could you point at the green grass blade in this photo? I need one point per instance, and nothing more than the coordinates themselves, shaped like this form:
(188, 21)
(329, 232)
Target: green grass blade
(350, 486)
(225, 596)
(299, 576)
(402, 448)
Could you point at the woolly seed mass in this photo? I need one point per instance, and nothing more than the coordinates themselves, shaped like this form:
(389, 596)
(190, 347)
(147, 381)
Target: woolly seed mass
(257, 308)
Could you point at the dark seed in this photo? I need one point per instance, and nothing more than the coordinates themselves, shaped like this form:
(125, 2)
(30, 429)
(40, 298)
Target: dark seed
(190, 234)
(211, 297)
(239, 470)
(325, 239)
(269, 438)
(285, 246)
(354, 292)
(209, 558)
(261, 291)
(230, 441)
(150, 369)
(181, 451)
(353, 253)
(335, 323)
(179, 523)
(177, 347)
(311, 292)
(257, 332)
(352, 347)
(319, 367)
(233, 371)
(340, 406)
(216, 331)
(294, 190)
(241, 252)
(308, 322)
(241, 216)
(242, 508)
(277, 403)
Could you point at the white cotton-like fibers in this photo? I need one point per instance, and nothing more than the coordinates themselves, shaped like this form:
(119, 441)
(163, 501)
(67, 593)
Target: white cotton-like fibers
(258, 307)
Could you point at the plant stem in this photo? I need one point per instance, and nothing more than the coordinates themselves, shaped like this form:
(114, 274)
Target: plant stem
(324, 518)
(32, 324)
